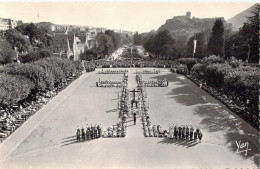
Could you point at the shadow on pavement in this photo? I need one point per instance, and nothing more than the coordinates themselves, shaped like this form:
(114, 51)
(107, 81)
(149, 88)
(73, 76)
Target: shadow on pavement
(184, 95)
(73, 141)
(110, 111)
(216, 118)
(168, 77)
(179, 142)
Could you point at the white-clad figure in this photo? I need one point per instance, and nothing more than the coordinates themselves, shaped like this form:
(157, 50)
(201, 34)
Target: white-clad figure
(170, 131)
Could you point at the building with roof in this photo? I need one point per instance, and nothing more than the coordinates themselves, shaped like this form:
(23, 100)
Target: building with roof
(70, 45)
(7, 24)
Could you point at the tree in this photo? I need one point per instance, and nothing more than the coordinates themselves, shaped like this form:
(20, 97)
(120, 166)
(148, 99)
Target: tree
(189, 62)
(18, 40)
(164, 43)
(216, 40)
(34, 56)
(14, 88)
(149, 44)
(38, 36)
(105, 44)
(115, 38)
(7, 54)
(201, 48)
(244, 44)
(137, 39)
(250, 32)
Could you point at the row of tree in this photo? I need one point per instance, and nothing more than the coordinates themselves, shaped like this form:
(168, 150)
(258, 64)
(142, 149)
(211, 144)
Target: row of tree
(243, 44)
(237, 82)
(23, 39)
(107, 43)
(18, 81)
(233, 81)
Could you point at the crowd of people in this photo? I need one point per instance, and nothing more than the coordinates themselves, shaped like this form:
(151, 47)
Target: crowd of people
(184, 132)
(12, 117)
(126, 63)
(158, 83)
(109, 71)
(109, 84)
(118, 130)
(91, 132)
(154, 71)
(175, 131)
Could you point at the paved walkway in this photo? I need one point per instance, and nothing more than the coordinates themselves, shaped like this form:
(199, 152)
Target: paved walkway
(134, 131)
(47, 140)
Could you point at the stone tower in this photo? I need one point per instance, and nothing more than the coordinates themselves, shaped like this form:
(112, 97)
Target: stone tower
(188, 14)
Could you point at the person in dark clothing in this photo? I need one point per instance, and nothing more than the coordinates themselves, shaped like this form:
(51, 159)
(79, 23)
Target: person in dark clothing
(187, 132)
(197, 130)
(83, 133)
(179, 132)
(195, 135)
(134, 118)
(191, 133)
(87, 133)
(78, 134)
(200, 136)
(183, 132)
(99, 131)
(95, 131)
(175, 132)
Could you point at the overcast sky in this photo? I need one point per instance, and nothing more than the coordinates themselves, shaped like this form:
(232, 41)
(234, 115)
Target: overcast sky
(131, 16)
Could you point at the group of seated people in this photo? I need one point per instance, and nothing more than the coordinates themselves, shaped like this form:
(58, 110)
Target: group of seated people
(109, 84)
(13, 117)
(123, 63)
(118, 130)
(150, 71)
(158, 83)
(152, 131)
(91, 132)
(109, 71)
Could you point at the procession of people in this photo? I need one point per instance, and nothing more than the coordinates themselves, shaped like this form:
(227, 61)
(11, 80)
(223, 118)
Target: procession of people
(130, 105)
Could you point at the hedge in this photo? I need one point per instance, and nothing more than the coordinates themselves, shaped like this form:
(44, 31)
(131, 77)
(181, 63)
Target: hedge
(18, 81)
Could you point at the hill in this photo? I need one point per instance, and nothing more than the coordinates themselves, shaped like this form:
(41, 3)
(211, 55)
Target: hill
(238, 20)
(184, 27)
(45, 25)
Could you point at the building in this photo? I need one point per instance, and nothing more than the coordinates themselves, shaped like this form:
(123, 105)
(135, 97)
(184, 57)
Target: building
(7, 24)
(71, 45)
(183, 17)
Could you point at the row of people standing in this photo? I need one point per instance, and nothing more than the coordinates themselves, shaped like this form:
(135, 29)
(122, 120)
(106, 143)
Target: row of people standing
(184, 132)
(91, 132)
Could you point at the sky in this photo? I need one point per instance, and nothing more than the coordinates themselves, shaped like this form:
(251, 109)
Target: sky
(130, 16)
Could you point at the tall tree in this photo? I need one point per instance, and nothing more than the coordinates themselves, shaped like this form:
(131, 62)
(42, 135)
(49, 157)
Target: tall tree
(244, 44)
(216, 40)
(137, 38)
(115, 38)
(250, 31)
(164, 43)
(16, 39)
(7, 54)
(105, 44)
